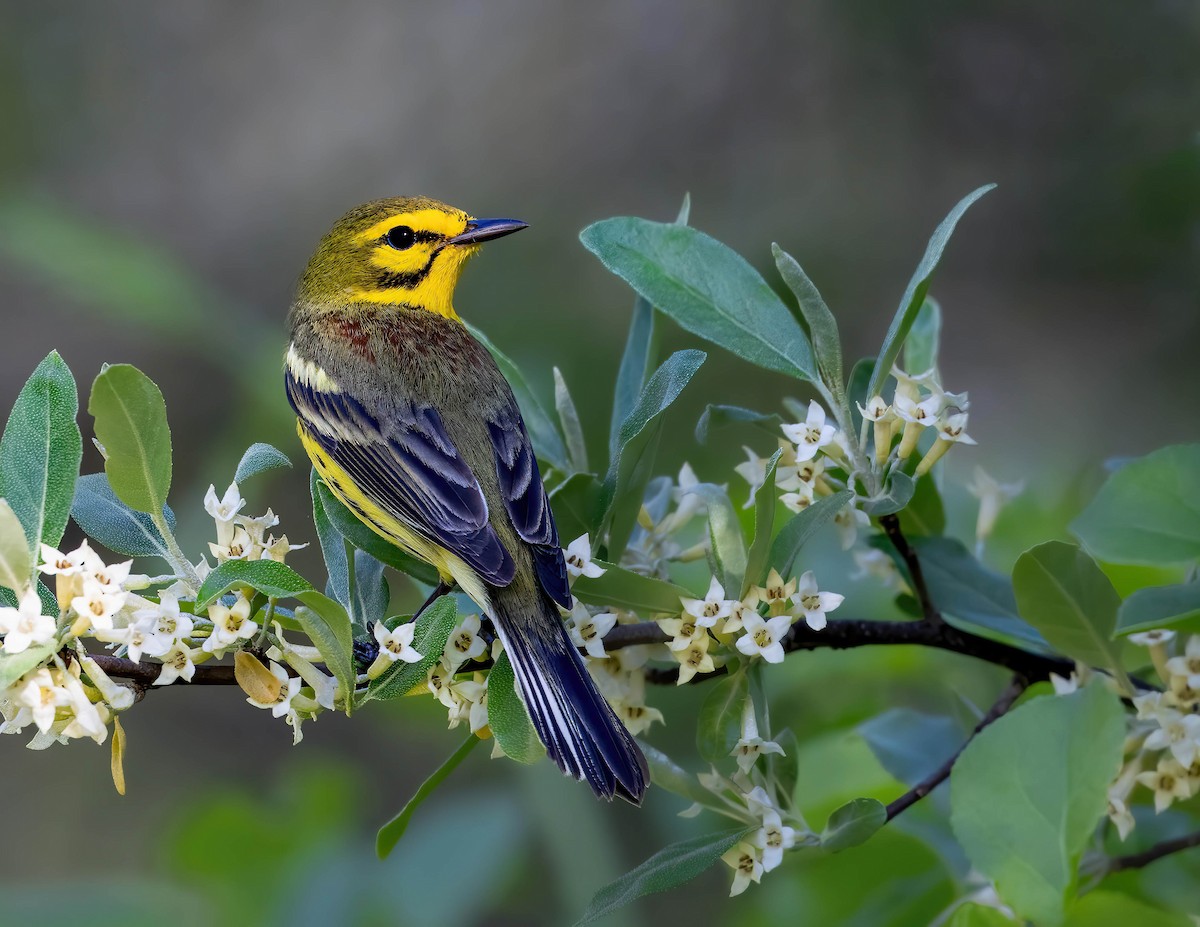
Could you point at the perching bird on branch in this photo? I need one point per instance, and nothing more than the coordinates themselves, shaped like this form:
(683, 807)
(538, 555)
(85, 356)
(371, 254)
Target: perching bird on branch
(411, 424)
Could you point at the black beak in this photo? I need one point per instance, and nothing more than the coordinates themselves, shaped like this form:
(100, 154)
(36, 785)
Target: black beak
(479, 230)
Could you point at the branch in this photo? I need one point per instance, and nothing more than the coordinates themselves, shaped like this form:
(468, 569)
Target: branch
(1155, 853)
(144, 674)
(939, 775)
(891, 527)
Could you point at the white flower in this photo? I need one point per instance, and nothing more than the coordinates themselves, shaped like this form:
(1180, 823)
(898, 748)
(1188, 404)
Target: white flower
(237, 546)
(1168, 781)
(754, 471)
(1188, 665)
(813, 603)
(1177, 732)
(803, 476)
(1119, 814)
(876, 409)
(688, 504)
(746, 864)
(25, 625)
(87, 720)
(923, 412)
(776, 592)
(176, 664)
(98, 603)
(799, 500)
(39, 692)
(712, 607)
(875, 564)
(159, 628)
(810, 435)
(763, 636)
(257, 528)
(1151, 638)
(1147, 704)
(289, 686)
(773, 838)
(277, 549)
(224, 510)
(750, 747)
(464, 643)
(1064, 686)
(588, 630)
(738, 612)
(849, 521)
(56, 563)
(110, 578)
(396, 645)
(685, 631)
(992, 496)
(694, 659)
(953, 429)
(578, 555)
(230, 624)
(470, 704)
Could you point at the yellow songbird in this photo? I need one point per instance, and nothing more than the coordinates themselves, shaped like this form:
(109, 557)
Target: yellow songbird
(410, 423)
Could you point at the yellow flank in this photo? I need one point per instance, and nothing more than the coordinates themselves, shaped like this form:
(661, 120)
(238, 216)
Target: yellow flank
(450, 567)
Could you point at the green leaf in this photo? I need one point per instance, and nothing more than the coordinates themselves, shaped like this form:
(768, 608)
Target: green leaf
(271, 578)
(15, 665)
(918, 286)
(547, 442)
(909, 744)
(968, 594)
(924, 515)
(667, 774)
(370, 593)
(391, 832)
(1025, 823)
(757, 565)
(921, 348)
(258, 458)
(720, 416)
(507, 716)
(637, 363)
(720, 723)
(822, 326)
(362, 537)
(131, 424)
(16, 566)
(803, 526)
(895, 496)
(1176, 607)
(669, 867)
(726, 541)
(1104, 908)
(106, 519)
(572, 430)
(977, 915)
(708, 289)
(333, 545)
(1148, 511)
(856, 388)
(433, 630)
(853, 823)
(40, 453)
(628, 475)
(631, 591)
(786, 765)
(1063, 593)
(577, 503)
(328, 627)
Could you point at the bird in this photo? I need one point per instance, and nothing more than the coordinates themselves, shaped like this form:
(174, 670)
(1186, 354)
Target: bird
(413, 427)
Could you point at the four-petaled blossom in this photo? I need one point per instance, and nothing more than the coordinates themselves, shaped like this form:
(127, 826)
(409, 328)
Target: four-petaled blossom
(694, 659)
(176, 664)
(1120, 815)
(588, 630)
(98, 603)
(750, 746)
(773, 838)
(578, 555)
(747, 866)
(763, 636)
(464, 643)
(776, 592)
(754, 471)
(711, 608)
(40, 693)
(1152, 638)
(1188, 665)
(25, 625)
(396, 645)
(1169, 781)
(1178, 733)
(813, 603)
(56, 563)
(685, 631)
(810, 435)
(230, 624)
(223, 510)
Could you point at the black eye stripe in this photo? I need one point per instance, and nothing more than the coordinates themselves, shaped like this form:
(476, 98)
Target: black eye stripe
(402, 237)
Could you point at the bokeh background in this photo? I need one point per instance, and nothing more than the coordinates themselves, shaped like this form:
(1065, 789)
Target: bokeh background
(165, 170)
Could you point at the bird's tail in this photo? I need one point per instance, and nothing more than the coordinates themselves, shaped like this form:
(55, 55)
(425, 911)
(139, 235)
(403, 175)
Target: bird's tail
(581, 732)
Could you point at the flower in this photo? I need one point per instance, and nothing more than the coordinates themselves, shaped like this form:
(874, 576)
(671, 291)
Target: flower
(396, 645)
(588, 630)
(799, 500)
(1178, 733)
(578, 555)
(25, 625)
(776, 592)
(813, 603)
(810, 435)
(848, 522)
(746, 864)
(1151, 638)
(763, 636)
(224, 510)
(694, 659)
(230, 624)
(464, 643)
(277, 549)
(1168, 780)
(684, 631)
(773, 838)
(754, 471)
(750, 746)
(238, 546)
(1120, 815)
(55, 563)
(712, 607)
(176, 664)
(992, 496)
(98, 603)
(289, 686)
(42, 695)
(1189, 664)
(159, 628)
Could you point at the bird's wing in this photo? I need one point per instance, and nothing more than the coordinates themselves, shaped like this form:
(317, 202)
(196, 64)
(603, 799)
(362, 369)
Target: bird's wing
(525, 498)
(402, 459)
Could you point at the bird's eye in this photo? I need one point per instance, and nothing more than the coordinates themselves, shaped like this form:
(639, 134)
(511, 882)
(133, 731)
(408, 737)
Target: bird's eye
(401, 237)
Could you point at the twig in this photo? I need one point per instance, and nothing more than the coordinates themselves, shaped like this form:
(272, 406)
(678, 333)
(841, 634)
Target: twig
(1154, 853)
(939, 775)
(145, 673)
(891, 527)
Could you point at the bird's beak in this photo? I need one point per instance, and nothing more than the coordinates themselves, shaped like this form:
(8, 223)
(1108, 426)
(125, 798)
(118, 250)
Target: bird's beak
(480, 230)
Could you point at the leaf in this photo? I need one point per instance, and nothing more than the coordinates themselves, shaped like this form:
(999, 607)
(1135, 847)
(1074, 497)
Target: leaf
(918, 286)
(15, 665)
(822, 326)
(259, 458)
(641, 347)
(1027, 792)
(391, 832)
(667, 774)
(333, 545)
(628, 475)
(856, 388)
(630, 591)
(433, 630)
(977, 915)
(721, 416)
(577, 503)
(131, 424)
(1176, 607)
(547, 442)
(328, 627)
(759, 555)
(106, 519)
(895, 495)
(909, 744)
(786, 765)
(968, 594)
(924, 515)
(1103, 908)
(1063, 593)
(16, 566)
(853, 823)
(117, 762)
(726, 541)
(803, 526)
(669, 867)
(371, 596)
(572, 431)
(1148, 511)
(720, 724)
(921, 347)
(271, 578)
(507, 716)
(40, 453)
(708, 289)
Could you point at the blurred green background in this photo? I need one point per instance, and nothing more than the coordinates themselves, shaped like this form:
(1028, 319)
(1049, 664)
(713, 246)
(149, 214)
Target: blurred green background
(165, 171)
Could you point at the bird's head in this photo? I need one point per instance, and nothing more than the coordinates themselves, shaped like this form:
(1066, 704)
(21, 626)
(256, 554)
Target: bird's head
(400, 251)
